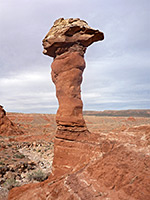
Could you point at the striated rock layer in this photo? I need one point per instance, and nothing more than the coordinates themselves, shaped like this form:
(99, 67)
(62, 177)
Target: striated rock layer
(7, 127)
(66, 73)
(92, 169)
(67, 41)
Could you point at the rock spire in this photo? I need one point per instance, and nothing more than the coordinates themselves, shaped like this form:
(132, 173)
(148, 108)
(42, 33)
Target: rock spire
(67, 41)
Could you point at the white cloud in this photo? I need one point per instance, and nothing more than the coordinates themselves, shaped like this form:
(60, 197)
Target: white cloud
(28, 92)
(117, 73)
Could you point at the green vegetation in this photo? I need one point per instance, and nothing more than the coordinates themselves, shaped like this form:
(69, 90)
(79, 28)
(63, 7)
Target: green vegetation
(10, 183)
(19, 156)
(14, 160)
(38, 175)
(1, 163)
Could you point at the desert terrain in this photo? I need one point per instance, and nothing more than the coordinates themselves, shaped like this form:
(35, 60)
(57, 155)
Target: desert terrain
(28, 157)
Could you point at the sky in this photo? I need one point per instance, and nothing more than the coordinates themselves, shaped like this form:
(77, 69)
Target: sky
(117, 74)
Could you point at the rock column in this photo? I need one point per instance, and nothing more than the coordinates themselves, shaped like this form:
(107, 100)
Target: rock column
(66, 42)
(66, 73)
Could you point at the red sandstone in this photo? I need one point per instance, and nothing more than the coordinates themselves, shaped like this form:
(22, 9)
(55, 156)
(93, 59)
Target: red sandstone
(86, 166)
(67, 41)
(7, 127)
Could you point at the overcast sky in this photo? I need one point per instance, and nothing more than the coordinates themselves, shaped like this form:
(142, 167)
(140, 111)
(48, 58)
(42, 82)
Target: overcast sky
(117, 74)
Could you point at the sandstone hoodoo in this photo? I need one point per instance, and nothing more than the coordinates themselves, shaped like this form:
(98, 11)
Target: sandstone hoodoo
(94, 166)
(7, 127)
(67, 41)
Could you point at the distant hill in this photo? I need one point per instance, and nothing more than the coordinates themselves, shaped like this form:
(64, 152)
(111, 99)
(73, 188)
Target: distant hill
(120, 113)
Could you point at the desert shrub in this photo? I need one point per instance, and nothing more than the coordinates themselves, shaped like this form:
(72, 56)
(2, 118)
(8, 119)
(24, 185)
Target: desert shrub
(14, 160)
(19, 156)
(2, 163)
(10, 183)
(3, 193)
(38, 175)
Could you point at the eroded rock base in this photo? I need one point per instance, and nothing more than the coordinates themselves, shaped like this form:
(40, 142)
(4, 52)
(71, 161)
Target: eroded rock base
(92, 168)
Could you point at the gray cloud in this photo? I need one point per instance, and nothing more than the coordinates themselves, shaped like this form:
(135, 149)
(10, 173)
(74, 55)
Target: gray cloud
(117, 73)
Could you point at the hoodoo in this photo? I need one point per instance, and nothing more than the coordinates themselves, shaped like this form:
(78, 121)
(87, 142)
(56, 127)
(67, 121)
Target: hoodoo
(67, 41)
(86, 166)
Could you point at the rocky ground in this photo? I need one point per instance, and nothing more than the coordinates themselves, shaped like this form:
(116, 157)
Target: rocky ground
(19, 162)
(28, 157)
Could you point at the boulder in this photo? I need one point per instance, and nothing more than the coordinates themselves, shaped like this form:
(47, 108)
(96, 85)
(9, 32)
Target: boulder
(70, 34)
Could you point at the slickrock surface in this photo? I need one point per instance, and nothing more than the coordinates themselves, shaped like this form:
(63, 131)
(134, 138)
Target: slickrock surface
(6, 126)
(96, 169)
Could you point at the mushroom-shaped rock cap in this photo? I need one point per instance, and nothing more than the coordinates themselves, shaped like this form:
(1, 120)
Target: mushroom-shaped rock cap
(67, 32)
